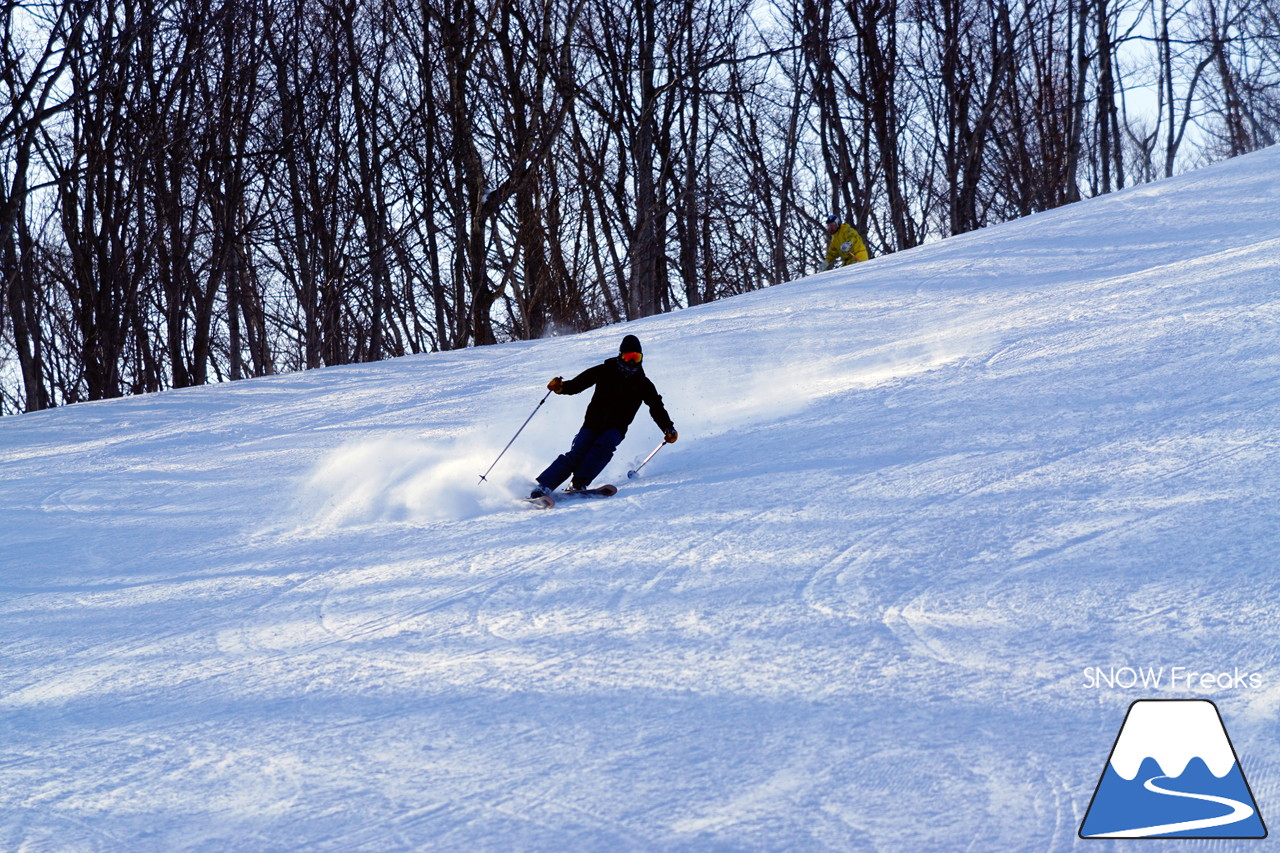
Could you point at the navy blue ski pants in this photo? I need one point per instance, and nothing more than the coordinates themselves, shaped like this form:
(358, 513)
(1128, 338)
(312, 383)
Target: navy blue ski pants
(591, 451)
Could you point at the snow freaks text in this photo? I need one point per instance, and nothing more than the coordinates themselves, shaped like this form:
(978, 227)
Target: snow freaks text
(1171, 677)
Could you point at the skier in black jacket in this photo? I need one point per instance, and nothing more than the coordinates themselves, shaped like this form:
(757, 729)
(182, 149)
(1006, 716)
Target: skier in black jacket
(621, 387)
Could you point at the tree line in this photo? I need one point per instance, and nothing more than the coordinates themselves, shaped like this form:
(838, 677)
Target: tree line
(204, 190)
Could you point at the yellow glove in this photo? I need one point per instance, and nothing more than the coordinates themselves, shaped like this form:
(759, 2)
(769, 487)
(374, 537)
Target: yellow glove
(671, 435)
(556, 385)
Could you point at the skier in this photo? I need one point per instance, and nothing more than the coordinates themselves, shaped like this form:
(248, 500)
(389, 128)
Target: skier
(846, 244)
(621, 387)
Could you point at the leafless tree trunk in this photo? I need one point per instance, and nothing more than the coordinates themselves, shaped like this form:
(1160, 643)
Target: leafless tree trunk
(30, 101)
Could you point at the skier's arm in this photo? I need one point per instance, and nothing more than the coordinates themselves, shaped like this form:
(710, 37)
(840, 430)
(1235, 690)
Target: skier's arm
(833, 252)
(653, 400)
(582, 381)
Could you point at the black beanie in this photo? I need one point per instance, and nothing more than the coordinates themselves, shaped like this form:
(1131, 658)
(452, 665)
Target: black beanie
(630, 344)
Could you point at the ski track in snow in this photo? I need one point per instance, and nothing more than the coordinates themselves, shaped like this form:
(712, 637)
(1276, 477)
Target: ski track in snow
(849, 610)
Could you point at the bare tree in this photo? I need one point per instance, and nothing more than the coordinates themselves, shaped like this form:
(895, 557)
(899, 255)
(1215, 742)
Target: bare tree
(30, 79)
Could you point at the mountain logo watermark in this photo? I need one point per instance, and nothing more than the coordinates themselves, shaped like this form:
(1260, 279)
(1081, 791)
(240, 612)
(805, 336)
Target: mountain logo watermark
(1173, 773)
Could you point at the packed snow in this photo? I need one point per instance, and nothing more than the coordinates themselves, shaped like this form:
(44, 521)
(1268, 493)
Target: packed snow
(926, 518)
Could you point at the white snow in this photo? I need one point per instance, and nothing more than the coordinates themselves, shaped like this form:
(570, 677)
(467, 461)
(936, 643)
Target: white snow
(851, 609)
(1173, 733)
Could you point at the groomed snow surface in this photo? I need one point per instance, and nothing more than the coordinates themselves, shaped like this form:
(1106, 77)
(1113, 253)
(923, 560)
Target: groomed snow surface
(851, 609)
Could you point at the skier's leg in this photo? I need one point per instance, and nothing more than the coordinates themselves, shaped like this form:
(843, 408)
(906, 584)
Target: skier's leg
(559, 470)
(596, 457)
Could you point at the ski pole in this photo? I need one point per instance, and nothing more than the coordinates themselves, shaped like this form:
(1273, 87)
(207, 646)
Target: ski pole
(514, 437)
(632, 474)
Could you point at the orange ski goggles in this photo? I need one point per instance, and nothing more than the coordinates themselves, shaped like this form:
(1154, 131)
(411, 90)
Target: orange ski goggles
(631, 357)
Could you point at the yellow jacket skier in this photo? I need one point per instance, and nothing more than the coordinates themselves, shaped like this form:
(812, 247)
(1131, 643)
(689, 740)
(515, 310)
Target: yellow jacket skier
(846, 244)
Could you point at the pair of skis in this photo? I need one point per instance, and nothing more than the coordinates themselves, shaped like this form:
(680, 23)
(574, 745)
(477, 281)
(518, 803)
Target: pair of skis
(548, 502)
(606, 491)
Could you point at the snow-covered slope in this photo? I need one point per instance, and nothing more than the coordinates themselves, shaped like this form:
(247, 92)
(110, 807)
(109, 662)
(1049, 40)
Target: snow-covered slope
(916, 509)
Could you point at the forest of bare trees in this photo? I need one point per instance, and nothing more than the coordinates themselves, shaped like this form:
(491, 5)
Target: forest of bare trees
(195, 191)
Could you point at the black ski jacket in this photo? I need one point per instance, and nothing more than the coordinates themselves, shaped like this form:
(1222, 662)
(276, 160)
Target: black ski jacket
(620, 389)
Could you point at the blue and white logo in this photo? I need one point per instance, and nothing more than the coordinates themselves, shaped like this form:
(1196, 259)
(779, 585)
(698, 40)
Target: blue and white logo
(1173, 773)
